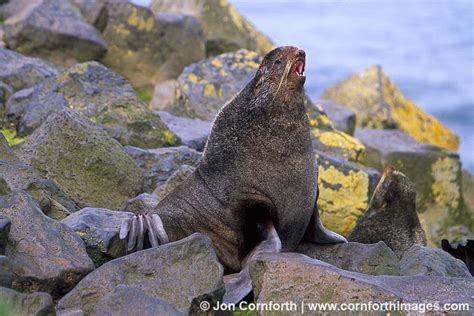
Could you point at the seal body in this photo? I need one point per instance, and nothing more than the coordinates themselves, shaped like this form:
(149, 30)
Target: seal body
(258, 167)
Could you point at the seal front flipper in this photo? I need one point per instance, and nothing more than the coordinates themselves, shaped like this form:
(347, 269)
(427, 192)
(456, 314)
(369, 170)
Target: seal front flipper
(135, 230)
(319, 234)
(239, 285)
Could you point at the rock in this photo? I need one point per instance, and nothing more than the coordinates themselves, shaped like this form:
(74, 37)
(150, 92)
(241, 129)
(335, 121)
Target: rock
(20, 176)
(53, 30)
(6, 272)
(125, 300)
(468, 192)
(289, 277)
(163, 95)
(183, 172)
(391, 216)
(27, 304)
(204, 87)
(95, 12)
(11, 7)
(91, 167)
(379, 103)
(435, 173)
(419, 260)
(148, 49)
(343, 118)
(5, 92)
(224, 27)
(99, 229)
(46, 255)
(5, 225)
(98, 93)
(4, 187)
(463, 252)
(345, 189)
(141, 203)
(70, 312)
(160, 163)
(373, 259)
(183, 273)
(192, 132)
(22, 72)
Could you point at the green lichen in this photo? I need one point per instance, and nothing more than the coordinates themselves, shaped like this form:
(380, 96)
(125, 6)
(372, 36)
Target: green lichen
(11, 137)
(145, 95)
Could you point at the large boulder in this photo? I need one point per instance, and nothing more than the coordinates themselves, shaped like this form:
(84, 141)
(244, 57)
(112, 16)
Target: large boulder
(373, 259)
(91, 167)
(125, 300)
(53, 30)
(183, 273)
(99, 229)
(345, 189)
(95, 12)
(435, 173)
(204, 87)
(160, 163)
(22, 72)
(26, 304)
(289, 277)
(100, 94)
(420, 260)
(46, 255)
(379, 103)
(192, 132)
(391, 216)
(20, 176)
(148, 49)
(343, 118)
(224, 27)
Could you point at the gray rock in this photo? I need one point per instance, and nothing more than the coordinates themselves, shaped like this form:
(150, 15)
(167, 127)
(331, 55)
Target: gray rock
(183, 273)
(53, 30)
(5, 92)
(27, 304)
(91, 167)
(22, 72)
(463, 252)
(4, 187)
(192, 132)
(391, 216)
(20, 176)
(435, 173)
(141, 203)
(6, 272)
(70, 312)
(419, 260)
(12, 7)
(343, 118)
(224, 27)
(183, 172)
(95, 12)
(99, 229)
(125, 300)
(98, 93)
(46, 255)
(163, 95)
(373, 259)
(286, 277)
(148, 49)
(5, 225)
(160, 163)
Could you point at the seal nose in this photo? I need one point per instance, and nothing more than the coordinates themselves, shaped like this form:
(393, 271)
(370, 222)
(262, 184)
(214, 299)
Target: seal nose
(301, 54)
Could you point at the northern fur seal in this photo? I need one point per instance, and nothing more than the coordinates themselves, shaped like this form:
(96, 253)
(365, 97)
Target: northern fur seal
(256, 185)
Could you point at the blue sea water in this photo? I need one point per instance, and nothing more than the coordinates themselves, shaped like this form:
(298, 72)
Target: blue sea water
(426, 47)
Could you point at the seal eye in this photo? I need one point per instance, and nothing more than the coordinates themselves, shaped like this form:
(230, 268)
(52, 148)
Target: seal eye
(278, 61)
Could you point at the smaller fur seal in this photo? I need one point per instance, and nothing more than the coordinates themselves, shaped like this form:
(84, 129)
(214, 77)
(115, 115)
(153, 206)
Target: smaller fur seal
(255, 189)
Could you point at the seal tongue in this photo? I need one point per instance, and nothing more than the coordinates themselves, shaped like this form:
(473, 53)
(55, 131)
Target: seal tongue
(298, 68)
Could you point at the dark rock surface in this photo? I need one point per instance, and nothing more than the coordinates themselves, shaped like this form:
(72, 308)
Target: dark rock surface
(183, 273)
(91, 167)
(5, 225)
(53, 30)
(46, 255)
(373, 259)
(28, 304)
(391, 216)
(99, 229)
(6, 272)
(463, 252)
(160, 163)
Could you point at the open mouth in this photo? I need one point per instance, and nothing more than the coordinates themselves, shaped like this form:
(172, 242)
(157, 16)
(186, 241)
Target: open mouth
(298, 68)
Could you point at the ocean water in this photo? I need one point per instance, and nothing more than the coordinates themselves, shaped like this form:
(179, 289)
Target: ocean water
(426, 47)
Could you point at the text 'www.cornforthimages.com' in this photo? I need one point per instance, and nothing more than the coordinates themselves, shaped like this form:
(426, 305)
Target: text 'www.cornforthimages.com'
(303, 307)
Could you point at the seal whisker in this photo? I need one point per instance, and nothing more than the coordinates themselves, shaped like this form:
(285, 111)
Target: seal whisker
(283, 77)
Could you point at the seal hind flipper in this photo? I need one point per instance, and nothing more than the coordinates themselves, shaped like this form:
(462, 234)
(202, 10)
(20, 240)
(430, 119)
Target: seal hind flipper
(319, 234)
(239, 285)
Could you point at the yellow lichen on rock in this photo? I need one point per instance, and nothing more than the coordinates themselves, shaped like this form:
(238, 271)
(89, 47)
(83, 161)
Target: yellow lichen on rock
(209, 90)
(343, 197)
(342, 140)
(140, 22)
(446, 190)
(378, 103)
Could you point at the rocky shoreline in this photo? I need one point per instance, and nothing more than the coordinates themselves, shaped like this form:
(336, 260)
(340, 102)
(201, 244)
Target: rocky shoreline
(106, 106)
